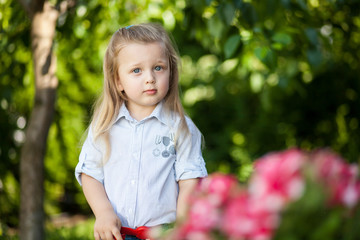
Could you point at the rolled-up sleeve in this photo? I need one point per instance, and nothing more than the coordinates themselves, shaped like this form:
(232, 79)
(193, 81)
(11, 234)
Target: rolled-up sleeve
(90, 161)
(189, 160)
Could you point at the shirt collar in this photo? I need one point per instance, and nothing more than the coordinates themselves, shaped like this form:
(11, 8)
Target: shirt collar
(159, 113)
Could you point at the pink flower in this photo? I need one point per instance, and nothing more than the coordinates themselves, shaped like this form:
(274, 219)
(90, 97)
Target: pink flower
(243, 219)
(350, 194)
(277, 178)
(330, 166)
(219, 187)
(207, 204)
(338, 177)
(198, 236)
(203, 215)
(189, 232)
(221, 207)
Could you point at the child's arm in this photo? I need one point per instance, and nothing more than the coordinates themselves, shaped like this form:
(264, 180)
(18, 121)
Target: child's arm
(107, 223)
(185, 189)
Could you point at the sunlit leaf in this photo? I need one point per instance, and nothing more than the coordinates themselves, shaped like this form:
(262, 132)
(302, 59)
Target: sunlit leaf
(215, 27)
(261, 52)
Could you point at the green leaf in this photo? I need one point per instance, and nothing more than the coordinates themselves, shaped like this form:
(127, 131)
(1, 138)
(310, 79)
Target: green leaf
(314, 57)
(267, 56)
(283, 38)
(248, 13)
(227, 13)
(261, 52)
(215, 27)
(329, 226)
(231, 45)
(312, 35)
(208, 2)
(302, 4)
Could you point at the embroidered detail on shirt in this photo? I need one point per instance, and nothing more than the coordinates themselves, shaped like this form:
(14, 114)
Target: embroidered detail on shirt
(156, 152)
(164, 146)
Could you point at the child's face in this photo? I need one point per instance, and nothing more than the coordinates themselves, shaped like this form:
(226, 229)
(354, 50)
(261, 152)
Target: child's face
(144, 76)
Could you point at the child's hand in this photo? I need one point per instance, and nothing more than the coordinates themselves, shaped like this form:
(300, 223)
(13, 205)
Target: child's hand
(107, 226)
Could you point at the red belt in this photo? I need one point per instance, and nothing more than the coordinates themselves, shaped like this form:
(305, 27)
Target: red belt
(140, 232)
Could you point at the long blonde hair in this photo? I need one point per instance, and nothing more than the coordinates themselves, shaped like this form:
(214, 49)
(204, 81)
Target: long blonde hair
(108, 104)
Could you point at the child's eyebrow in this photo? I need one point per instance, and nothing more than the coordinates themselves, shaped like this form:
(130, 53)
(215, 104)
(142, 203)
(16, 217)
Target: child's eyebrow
(157, 61)
(162, 61)
(135, 64)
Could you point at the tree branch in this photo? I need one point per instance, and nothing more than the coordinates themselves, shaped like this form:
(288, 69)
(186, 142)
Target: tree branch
(63, 6)
(32, 6)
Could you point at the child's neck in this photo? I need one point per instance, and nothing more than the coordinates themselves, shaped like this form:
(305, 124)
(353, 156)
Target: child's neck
(139, 113)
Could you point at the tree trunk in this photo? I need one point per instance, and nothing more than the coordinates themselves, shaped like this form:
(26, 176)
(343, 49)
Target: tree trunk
(34, 148)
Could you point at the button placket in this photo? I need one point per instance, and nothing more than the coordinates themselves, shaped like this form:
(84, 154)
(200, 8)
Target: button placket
(134, 173)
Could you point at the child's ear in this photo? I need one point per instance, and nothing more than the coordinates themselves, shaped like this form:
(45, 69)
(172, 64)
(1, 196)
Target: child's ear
(119, 85)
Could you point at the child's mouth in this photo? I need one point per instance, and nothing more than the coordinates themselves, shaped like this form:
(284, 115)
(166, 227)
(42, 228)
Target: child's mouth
(151, 91)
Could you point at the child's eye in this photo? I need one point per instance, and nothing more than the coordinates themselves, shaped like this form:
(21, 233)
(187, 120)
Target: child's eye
(158, 68)
(136, 70)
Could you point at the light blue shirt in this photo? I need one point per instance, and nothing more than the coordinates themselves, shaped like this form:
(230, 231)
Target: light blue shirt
(142, 173)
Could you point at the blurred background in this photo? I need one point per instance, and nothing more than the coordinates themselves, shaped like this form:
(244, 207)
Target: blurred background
(256, 76)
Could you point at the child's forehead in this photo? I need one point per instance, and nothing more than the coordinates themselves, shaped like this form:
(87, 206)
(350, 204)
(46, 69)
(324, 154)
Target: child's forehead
(140, 44)
(137, 52)
(139, 48)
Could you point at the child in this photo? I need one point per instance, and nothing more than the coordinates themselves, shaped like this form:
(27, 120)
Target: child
(142, 155)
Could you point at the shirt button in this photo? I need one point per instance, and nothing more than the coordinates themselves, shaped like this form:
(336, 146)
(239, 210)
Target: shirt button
(130, 210)
(132, 182)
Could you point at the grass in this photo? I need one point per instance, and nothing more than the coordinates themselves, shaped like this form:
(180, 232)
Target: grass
(82, 230)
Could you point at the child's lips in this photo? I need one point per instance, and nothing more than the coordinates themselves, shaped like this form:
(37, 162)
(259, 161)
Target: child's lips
(151, 91)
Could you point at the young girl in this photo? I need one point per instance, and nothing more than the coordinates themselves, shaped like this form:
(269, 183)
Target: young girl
(142, 155)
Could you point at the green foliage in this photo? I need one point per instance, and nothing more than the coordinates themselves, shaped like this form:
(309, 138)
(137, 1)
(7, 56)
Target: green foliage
(311, 218)
(79, 231)
(256, 77)
(15, 94)
(272, 89)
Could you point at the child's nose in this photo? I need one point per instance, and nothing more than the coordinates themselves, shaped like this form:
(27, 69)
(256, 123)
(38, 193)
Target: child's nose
(150, 78)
